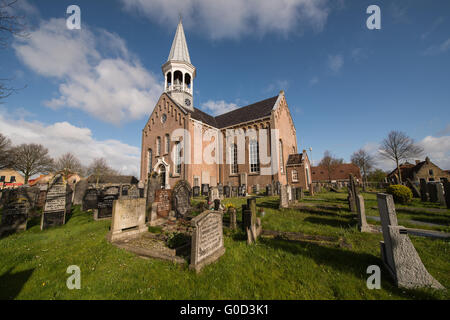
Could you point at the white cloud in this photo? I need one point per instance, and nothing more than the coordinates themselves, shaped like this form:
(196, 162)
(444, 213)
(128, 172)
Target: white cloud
(335, 62)
(218, 107)
(235, 18)
(62, 137)
(438, 49)
(111, 85)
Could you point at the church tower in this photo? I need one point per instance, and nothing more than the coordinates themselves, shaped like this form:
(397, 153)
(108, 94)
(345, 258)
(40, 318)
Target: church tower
(178, 71)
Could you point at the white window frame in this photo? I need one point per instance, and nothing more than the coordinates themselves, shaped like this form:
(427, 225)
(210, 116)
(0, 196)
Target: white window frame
(294, 175)
(254, 162)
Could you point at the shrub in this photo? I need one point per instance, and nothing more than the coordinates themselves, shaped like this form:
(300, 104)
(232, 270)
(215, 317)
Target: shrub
(400, 193)
(175, 240)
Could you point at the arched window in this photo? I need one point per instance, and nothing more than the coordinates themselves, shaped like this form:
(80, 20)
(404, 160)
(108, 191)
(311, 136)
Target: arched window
(177, 157)
(233, 158)
(150, 160)
(187, 80)
(167, 144)
(281, 157)
(254, 155)
(158, 146)
(178, 79)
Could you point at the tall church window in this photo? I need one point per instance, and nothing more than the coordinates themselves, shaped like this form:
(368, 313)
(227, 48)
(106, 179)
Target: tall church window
(158, 146)
(177, 158)
(150, 159)
(234, 157)
(281, 157)
(254, 156)
(167, 143)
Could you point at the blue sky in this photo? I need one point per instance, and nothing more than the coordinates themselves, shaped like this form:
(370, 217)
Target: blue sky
(90, 91)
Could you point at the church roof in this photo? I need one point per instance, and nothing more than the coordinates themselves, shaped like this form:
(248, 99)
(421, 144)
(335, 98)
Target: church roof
(251, 112)
(179, 50)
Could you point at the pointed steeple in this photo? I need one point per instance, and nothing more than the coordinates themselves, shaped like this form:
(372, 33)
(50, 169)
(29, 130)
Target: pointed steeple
(179, 50)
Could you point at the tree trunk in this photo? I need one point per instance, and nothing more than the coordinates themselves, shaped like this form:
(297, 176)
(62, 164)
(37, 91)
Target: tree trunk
(399, 172)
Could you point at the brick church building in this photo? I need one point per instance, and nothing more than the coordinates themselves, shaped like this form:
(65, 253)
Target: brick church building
(180, 141)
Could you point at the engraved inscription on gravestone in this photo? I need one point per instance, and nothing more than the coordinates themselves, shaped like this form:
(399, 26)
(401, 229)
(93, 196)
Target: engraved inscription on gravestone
(163, 199)
(57, 204)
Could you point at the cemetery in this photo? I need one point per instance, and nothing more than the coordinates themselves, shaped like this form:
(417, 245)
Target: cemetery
(279, 242)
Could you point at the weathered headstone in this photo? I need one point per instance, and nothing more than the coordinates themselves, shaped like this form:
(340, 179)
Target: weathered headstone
(269, 190)
(57, 204)
(284, 201)
(80, 190)
(15, 213)
(205, 189)
(432, 191)
(207, 239)
(128, 218)
(351, 200)
(164, 202)
(90, 200)
(227, 191)
(196, 191)
(153, 184)
(216, 204)
(440, 193)
(220, 188)
(181, 195)
(361, 209)
(311, 190)
(233, 222)
(234, 191)
(397, 251)
(447, 193)
(423, 191)
(213, 194)
(105, 205)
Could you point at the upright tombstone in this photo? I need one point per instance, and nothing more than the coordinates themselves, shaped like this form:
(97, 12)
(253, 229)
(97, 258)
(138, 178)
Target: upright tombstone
(220, 188)
(432, 191)
(227, 191)
(153, 184)
(105, 203)
(207, 239)
(447, 193)
(351, 200)
(250, 223)
(196, 191)
(284, 201)
(128, 218)
(90, 199)
(57, 204)
(361, 209)
(216, 204)
(163, 200)
(278, 187)
(42, 196)
(234, 191)
(80, 190)
(15, 213)
(423, 191)
(397, 251)
(311, 190)
(213, 194)
(440, 193)
(181, 195)
(205, 189)
(269, 190)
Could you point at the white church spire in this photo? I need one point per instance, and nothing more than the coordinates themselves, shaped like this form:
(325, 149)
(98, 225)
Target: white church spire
(178, 71)
(179, 50)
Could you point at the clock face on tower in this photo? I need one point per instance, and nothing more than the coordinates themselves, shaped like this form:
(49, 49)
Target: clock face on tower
(187, 102)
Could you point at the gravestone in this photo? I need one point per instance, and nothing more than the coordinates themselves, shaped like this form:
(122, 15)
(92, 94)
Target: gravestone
(289, 193)
(440, 193)
(397, 251)
(284, 201)
(254, 189)
(227, 191)
(153, 184)
(220, 188)
(42, 196)
(196, 191)
(205, 189)
(15, 213)
(213, 194)
(432, 191)
(207, 239)
(351, 200)
(80, 190)
(90, 200)
(216, 204)
(164, 202)
(242, 190)
(447, 193)
(243, 179)
(58, 203)
(423, 191)
(130, 192)
(234, 191)
(105, 204)
(128, 218)
(181, 195)
(361, 209)
(269, 190)
(413, 187)
(124, 191)
(311, 190)
(278, 187)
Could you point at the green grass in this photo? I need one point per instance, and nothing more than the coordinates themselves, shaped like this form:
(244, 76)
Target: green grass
(33, 263)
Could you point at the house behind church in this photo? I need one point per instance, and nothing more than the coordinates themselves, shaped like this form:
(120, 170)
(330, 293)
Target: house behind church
(421, 170)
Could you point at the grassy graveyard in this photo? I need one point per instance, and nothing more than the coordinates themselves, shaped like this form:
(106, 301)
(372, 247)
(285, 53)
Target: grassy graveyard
(329, 263)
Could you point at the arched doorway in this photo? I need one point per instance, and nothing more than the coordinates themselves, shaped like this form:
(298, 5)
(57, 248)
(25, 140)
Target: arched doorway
(162, 175)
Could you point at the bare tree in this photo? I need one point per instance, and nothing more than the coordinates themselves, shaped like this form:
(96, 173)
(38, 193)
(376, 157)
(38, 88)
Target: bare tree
(99, 168)
(330, 163)
(364, 161)
(11, 25)
(397, 147)
(31, 159)
(5, 149)
(68, 163)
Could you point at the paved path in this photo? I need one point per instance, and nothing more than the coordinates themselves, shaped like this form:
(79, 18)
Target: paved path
(421, 232)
